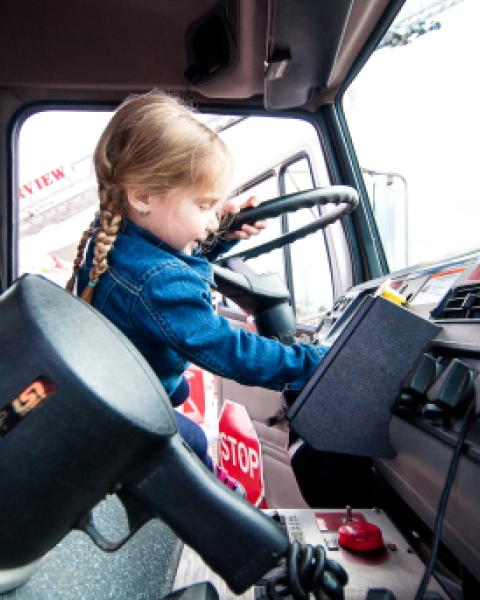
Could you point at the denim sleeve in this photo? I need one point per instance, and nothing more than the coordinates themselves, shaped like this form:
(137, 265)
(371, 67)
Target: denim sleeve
(175, 309)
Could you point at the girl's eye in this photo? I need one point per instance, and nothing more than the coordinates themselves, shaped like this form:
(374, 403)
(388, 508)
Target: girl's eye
(205, 206)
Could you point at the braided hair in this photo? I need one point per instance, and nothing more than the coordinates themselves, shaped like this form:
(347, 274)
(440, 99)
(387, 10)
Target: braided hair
(155, 143)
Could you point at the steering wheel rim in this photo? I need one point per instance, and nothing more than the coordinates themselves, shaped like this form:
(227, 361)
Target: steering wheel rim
(344, 197)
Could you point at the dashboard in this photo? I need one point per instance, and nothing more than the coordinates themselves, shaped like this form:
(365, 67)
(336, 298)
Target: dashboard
(429, 411)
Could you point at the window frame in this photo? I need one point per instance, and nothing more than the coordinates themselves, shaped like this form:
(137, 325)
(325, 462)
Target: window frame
(315, 120)
(279, 172)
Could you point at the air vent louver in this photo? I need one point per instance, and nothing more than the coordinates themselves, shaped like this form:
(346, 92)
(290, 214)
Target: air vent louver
(462, 302)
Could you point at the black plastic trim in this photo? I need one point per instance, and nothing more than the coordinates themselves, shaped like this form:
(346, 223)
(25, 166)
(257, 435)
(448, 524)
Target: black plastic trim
(375, 262)
(336, 164)
(439, 432)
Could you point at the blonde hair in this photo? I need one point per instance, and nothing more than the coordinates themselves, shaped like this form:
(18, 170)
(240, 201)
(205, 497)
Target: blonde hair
(155, 143)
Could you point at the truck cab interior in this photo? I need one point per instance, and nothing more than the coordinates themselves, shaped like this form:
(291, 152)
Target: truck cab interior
(354, 123)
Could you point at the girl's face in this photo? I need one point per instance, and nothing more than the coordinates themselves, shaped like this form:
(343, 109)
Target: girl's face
(182, 218)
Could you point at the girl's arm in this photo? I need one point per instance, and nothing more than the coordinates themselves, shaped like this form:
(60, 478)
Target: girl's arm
(175, 308)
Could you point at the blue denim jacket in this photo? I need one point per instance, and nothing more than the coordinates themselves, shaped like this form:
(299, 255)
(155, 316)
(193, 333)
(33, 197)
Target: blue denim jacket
(161, 300)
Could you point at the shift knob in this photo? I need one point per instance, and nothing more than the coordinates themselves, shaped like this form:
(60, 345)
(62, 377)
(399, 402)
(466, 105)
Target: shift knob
(359, 536)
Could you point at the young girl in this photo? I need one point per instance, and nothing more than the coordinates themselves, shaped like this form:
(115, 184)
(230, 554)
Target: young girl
(163, 177)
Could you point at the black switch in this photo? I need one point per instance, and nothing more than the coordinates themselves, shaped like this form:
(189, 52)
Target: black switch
(423, 377)
(380, 594)
(454, 387)
(432, 411)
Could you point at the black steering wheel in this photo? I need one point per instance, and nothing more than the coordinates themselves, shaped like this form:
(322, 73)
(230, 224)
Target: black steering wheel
(345, 198)
(265, 295)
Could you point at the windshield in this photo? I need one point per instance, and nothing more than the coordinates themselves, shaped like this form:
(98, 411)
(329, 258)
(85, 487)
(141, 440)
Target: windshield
(412, 113)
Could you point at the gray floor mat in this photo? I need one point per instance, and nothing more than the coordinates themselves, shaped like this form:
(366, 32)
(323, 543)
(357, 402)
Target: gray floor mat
(143, 569)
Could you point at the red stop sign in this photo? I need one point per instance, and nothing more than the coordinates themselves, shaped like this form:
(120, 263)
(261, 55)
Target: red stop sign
(240, 451)
(194, 405)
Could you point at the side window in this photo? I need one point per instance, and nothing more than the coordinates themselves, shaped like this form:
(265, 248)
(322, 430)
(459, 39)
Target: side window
(57, 195)
(311, 279)
(388, 193)
(285, 156)
(264, 189)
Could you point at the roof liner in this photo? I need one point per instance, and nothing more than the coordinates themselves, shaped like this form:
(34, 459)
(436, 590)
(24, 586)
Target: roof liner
(91, 50)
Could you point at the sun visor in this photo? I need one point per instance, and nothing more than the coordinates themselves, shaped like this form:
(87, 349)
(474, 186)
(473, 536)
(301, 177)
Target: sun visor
(303, 43)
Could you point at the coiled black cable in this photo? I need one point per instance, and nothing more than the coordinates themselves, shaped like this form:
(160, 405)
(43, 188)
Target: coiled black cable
(308, 570)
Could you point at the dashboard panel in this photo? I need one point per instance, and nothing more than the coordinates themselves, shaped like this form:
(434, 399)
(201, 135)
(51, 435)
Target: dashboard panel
(428, 415)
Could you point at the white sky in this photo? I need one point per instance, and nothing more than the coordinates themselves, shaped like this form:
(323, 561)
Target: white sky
(52, 138)
(414, 110)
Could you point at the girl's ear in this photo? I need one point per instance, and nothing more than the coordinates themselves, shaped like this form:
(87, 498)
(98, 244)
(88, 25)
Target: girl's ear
(139, 201)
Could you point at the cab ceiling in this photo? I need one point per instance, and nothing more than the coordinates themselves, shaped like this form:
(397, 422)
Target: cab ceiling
(279, 53)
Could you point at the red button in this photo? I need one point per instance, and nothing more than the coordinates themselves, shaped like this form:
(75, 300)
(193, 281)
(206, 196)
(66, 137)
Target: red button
(360, 536)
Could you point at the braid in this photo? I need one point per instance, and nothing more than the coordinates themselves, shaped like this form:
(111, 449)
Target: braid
(77, 263)
(110, 220)
(154, 144)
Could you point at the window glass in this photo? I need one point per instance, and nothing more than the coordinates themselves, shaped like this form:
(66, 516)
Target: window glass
(57, 196)
(412, 112)
(273, 261)
(310, 266)
(297, 176)
(267, 144)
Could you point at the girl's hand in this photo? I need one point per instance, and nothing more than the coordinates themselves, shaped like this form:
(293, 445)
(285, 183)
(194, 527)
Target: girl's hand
(246, 231)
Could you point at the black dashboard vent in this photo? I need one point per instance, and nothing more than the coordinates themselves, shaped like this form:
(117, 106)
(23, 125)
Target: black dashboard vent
(462, 302)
